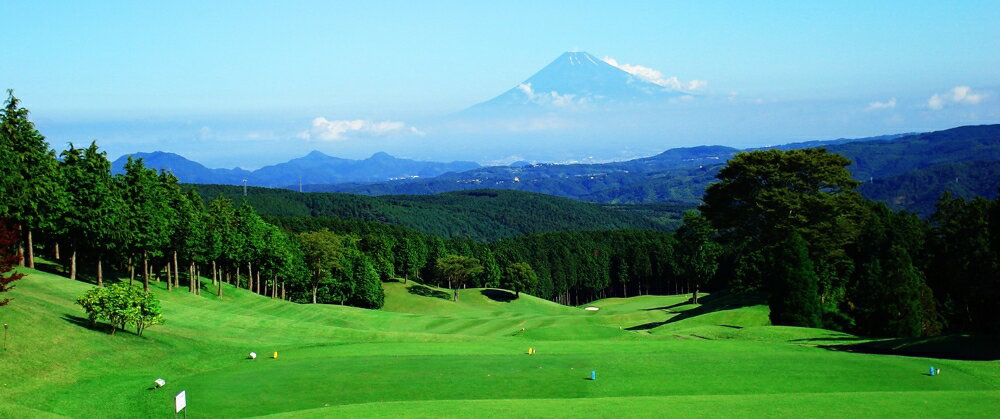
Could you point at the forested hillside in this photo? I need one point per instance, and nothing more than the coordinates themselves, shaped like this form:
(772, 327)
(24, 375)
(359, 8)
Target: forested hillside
(478, 214)
(681, 175)
(918, 191)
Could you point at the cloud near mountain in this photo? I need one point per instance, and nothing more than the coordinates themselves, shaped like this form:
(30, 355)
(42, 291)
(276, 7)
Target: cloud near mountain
(333, 130)
(959, 95)
(656, 77)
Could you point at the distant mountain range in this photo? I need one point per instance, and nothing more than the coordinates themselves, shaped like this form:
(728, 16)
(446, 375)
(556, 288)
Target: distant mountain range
(313, 168)
(909, 171)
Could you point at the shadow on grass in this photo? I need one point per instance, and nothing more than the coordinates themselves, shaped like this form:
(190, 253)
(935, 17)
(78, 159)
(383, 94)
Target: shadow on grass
(85, 323)
(424, 291)
(646, 326)
(960, 347)
(502, 296)
(667, 308)
(97, 327)
(717, 301)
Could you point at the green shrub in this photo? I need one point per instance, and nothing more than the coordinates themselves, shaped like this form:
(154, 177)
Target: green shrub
(121, 305)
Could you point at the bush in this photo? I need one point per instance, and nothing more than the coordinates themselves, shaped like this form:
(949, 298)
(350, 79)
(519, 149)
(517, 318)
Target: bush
(121, 305)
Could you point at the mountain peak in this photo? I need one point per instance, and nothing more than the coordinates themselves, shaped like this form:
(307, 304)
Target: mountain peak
(580, 58)
(316, 154)
(577, 80)
(381, 155)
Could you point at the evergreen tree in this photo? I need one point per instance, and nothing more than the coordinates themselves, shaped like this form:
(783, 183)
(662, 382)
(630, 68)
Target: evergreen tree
(93, 219)
(147, 215)
(33, 194)
(794, 299)
(697, 253)
(368, 292)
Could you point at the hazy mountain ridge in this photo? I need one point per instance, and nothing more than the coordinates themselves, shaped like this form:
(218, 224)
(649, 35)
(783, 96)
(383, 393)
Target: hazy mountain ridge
(681, 175)
(312, 168)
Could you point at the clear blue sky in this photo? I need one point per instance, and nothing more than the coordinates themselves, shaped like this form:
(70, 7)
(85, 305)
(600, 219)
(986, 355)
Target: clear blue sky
(191, 77)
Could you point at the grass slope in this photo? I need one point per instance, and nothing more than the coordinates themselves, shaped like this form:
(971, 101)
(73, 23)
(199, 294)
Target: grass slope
(426, 356)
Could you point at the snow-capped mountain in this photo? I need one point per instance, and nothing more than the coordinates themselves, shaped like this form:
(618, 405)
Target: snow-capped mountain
(578, 80)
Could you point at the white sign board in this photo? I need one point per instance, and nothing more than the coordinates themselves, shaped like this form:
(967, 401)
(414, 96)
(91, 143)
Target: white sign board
(180, 401)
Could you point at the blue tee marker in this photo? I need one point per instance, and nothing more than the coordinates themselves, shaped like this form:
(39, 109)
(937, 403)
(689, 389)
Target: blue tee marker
(593, 375)
(932, 370)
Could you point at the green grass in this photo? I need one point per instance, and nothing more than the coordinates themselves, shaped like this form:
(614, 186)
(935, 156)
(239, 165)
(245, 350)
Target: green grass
(424, 356)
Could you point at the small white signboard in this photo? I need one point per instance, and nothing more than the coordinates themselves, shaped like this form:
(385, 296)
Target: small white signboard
(180, 401)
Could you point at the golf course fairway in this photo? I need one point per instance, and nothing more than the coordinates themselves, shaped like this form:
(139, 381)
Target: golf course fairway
(425, 356)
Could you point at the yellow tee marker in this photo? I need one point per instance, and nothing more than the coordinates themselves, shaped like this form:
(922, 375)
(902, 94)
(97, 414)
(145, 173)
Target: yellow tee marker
(275, 356)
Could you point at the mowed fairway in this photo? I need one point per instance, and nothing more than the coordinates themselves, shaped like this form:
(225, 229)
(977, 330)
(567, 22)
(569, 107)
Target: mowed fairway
(422, 356)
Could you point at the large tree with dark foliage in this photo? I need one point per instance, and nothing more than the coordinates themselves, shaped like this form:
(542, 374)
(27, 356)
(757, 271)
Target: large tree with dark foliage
(763, 197)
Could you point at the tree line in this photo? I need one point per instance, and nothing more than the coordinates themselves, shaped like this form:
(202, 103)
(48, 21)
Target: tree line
(792, 224)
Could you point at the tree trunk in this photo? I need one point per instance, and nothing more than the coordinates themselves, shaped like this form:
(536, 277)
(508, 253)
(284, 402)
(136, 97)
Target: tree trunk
(250, 276)
(214, 273)
(314, 292)
(170, 278)
(694, 295)
(100, 272)
(131, 271)
(274, 287)
(31, 251)
(177, 272)
(56, 250)
(20, 246)
(145, 271)
(237, 275)
(220, 290)
(192, 278)
(282, 290)
(72, 265)
(258, 281)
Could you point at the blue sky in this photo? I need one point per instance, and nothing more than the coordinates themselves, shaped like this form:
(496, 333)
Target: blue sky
(238, 83)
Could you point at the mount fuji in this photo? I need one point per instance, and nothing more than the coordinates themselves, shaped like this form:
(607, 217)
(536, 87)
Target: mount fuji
(578, 81)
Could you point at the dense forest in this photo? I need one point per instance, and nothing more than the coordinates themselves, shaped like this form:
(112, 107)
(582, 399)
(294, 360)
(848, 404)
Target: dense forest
(787, 224)
(918, 191)
(479, 214)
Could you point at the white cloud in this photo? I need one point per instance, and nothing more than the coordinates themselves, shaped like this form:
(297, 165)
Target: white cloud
(333, 130)
(551, 98)
(876, 105)
(959, 95)
(656, 77)
(206, 133)
(526, 88)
